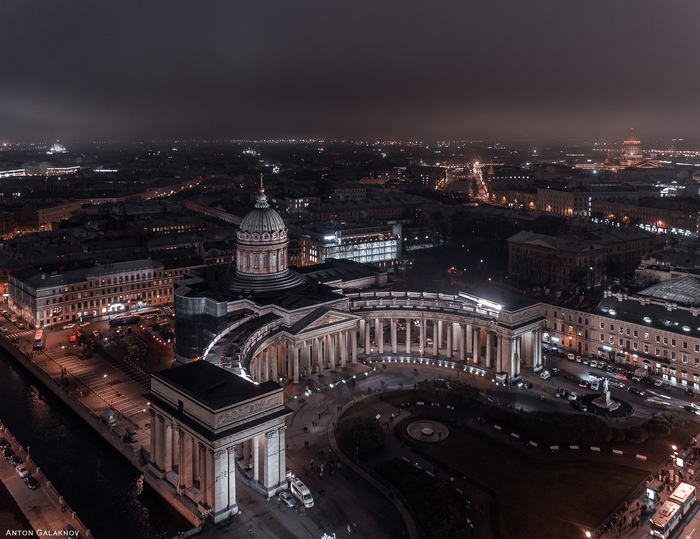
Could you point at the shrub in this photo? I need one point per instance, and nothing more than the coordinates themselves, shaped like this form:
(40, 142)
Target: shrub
(636, 435)
(618, 435)
(657, 429)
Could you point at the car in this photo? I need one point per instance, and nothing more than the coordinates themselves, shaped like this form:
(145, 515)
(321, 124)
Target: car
(70, 531)
(636, 391)
(636, 379)
(4, 443)
(546, 375)
(15, 460)
(602, 365)
(584, 384)
(578, 405)
(649, 381)
(3, 329)
(524, 384)
(20, 325)
(609, 368)
(585, 361)
(593, 363)
(616, 383)
(287, 498)
(594, 375)
(31, 482)
(14, 339)
(573, 396)
(561, 392)
(22, 470)
(688, 391)
(554, 371)
(657, 382)
(96, 333)
(69, 326)
(579, 359)
(571, 357)
(8, 453)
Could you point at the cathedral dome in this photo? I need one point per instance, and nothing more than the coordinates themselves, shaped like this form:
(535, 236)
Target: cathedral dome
(262, 223)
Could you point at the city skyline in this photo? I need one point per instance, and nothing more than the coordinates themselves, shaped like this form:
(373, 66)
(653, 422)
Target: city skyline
(86, 71)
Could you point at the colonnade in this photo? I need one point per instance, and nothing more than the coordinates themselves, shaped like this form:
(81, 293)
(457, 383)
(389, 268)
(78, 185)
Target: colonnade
(291, 358)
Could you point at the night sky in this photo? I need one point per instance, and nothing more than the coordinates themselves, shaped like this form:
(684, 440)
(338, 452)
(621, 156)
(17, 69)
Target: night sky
(469, 69)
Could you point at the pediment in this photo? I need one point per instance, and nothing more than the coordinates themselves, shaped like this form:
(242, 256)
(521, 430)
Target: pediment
(325, 319)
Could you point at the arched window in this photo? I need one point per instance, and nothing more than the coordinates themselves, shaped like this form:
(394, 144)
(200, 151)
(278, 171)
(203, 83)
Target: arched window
(265, 262)
(247, 261)
(256, 262)
(274, 261)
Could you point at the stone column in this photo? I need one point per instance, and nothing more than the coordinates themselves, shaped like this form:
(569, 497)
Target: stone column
(184, 469)
(295, 359)
(271, 460)
(436, 331)
(438, 340)
(354, 346)
(367, 339)
(232, 501)
(195, 459)
(266, 365)
(380, 339)
(422, 333)
(333, 348)
(376, 333)
(256, 459)
(211, 480)
(461, 342)
(273, 362)
(477, 345)
(393, 335)
(282, 466)
(449, 340)
(203, 480)
(168, 448)
(343, 348)
(220, 472)
(470, 343)
(258, 367)
(306, 358)
(489, 348)
(319, 355)
(408, 335)
(157, 439)
(362, 331)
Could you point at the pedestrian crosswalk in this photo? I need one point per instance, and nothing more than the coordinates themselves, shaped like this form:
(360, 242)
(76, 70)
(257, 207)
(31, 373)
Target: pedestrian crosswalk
(99, 379)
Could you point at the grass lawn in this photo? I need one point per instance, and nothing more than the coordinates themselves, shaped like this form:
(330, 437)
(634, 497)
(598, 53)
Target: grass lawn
(538, 500)
(397, 398)
(359, 409)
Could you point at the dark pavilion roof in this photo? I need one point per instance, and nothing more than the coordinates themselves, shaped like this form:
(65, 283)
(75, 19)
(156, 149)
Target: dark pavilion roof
(213, 386)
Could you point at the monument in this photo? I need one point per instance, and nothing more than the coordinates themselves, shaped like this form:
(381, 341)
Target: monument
(604, 402)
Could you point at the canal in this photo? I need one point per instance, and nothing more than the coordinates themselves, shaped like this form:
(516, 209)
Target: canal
(97, 482)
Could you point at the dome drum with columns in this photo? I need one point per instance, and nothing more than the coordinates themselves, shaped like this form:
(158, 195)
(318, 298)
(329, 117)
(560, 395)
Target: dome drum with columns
(261, 255)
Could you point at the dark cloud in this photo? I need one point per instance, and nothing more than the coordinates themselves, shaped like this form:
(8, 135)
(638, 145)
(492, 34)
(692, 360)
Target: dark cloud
(86, 70)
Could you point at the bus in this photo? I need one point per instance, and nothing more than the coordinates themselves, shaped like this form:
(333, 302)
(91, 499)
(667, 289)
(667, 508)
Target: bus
(128, 320)
(684, 496)
(666, 519)
(39, 339)
(149, 314)
(671, 512)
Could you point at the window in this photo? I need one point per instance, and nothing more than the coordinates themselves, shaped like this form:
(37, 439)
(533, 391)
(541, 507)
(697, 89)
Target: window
(622, 330)
(602, 325)
(666, 341)
(585, 322)
(658, 338)
(673, 342)
(571, 318)
(634, 346)
(657, 351)
(646, 338)
(621, 342)
(684, 358)
(628, 331)
(635, 334)
(612, 339)
(685, 345)
(646, 348)
(612, 328)
(579, 320)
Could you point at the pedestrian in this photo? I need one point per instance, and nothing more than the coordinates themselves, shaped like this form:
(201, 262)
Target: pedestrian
(381, 399)
(399, 411)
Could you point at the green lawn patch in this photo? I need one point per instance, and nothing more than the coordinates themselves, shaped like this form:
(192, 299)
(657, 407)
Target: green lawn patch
(358, 430)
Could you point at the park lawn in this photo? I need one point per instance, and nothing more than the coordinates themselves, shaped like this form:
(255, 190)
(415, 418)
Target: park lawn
(360, 409)
(538, 500)
(659, 449)
(397, 398)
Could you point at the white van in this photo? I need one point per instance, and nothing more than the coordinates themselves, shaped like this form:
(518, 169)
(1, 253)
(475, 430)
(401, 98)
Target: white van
(301, 492)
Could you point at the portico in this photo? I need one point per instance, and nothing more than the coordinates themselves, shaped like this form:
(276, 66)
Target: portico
(203, 421)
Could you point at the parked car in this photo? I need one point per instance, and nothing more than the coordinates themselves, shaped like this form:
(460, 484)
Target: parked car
(579, 359)
(609, 368)
(8, 453)
(287, 498)
(580, 406)
(554, 371)
(22, 470)
(545, 375)
(4, 443)
(573, 396)
(524, 384)
(593, 363)
(31, 482)
(585, 361)
(571, 357)
(688, 391)
(657, 382)
(649, 381)
(561, 392)
(3, 329)
(15, 460)
(20, 325)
